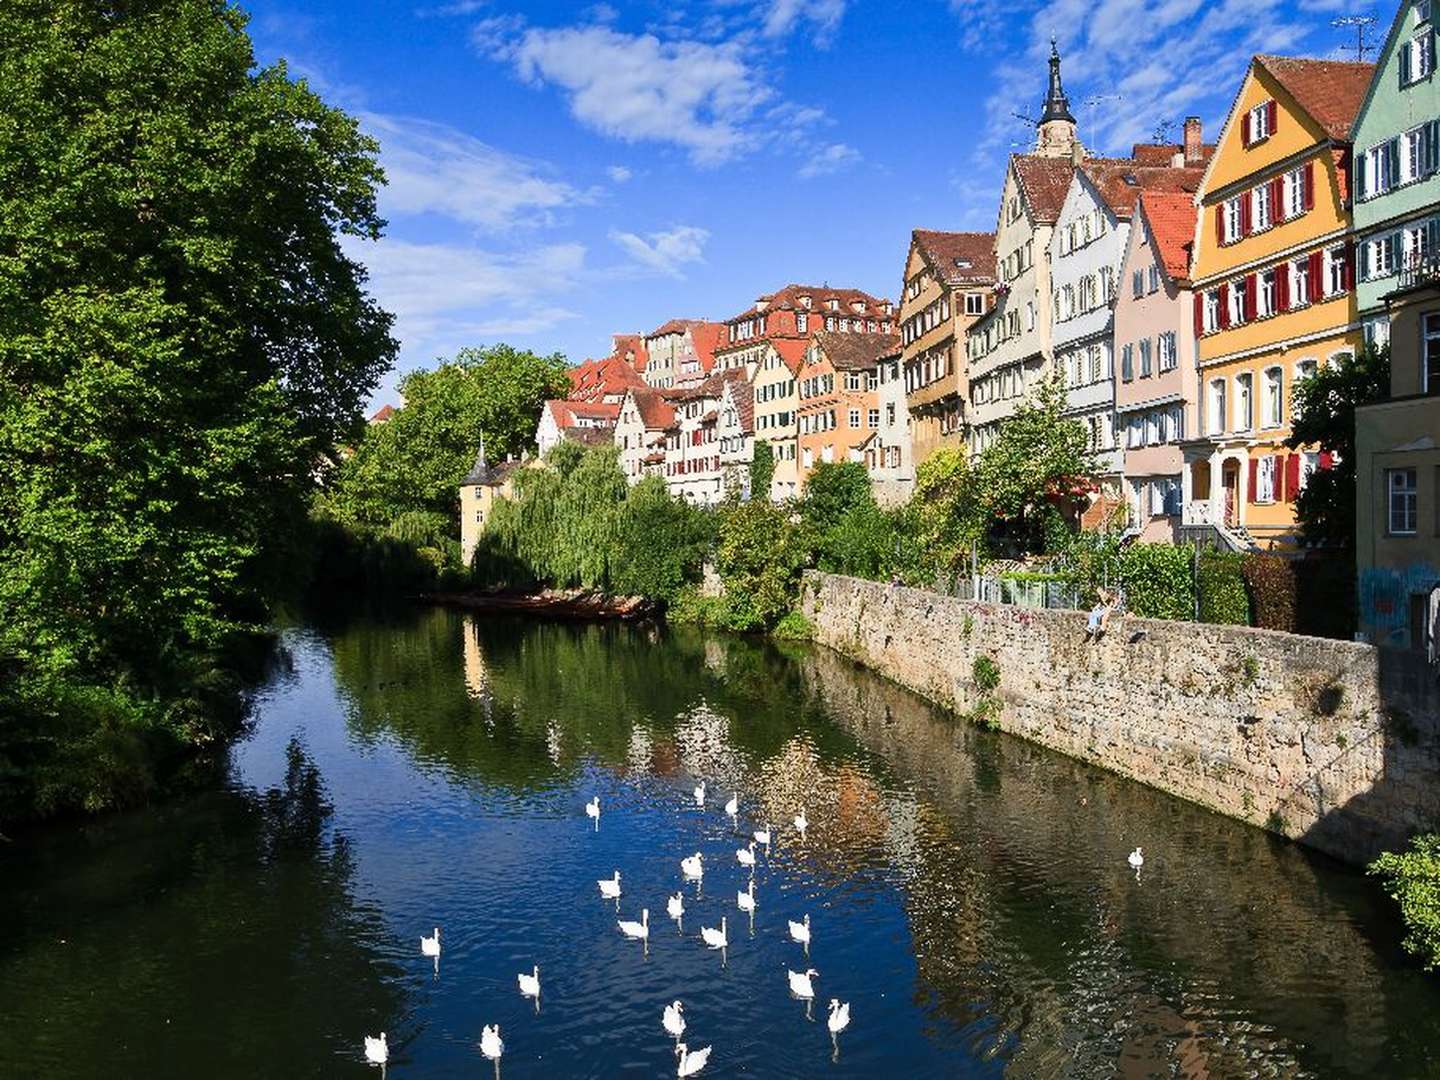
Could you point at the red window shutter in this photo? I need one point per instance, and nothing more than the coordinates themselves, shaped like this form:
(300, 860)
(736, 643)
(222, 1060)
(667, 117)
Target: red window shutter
(1350, 265)
(1292, 477)
(1274, 117)
(1327, 459)
(1309, 185)
(1251, 307)
(1245, 214)
(1224, 292)
(1277, 199)
(1254, 477)
(1245, 129)
(1220, 224)
(1316, 277)
(1282, 287)
(1199, 314)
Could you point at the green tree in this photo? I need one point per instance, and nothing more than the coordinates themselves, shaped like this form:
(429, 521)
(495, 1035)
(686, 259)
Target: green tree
(1039, 458)
(945, 513)
(762, 470)
(416, 460)
(832, 491)
(1324, 408)
(182, 336)
(661, 542)
(759, 555)
(1412, 878)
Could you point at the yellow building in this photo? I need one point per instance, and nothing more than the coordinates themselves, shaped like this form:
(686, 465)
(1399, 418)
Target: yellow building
(478, 491)
(1274, 290)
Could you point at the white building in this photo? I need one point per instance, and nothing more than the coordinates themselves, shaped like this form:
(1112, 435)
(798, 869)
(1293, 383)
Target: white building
(709, 446)
(889, 452)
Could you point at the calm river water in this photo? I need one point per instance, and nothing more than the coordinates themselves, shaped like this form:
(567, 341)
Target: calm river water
(968, 893)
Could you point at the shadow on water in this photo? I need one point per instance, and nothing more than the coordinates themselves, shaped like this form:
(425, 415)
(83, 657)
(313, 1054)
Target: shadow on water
(216, 934)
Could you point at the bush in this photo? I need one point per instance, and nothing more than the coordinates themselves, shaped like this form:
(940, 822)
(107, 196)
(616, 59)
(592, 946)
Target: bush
(1413, 880)
(986, 673)
(833, 490)
(794, 627)
(1221, 585)
(1271, 581)
(759, 557)
(692, 607)
(1158, 581)
(864, 542)
(661, 543)
(762, 470)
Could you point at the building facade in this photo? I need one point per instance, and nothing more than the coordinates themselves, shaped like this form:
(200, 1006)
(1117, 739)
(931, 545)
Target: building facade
(949, 284)
(478, 491)
(640, 427)
(889, 456)
(681, 352)
(709, 445)
(1274, 290)
(839, 408)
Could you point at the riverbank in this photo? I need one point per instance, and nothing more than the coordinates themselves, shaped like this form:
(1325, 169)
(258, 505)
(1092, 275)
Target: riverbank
(577, 604)
(1333, 744)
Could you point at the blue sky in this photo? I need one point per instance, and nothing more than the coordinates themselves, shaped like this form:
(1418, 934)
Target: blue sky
(559, 172)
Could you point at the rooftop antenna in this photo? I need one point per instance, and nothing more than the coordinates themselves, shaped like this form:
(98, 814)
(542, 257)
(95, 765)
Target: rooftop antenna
(1093, 102)
(1362, 25)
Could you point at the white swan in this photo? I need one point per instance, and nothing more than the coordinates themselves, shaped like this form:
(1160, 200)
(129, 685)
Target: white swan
(675, 907)
(690, 1063)
(377, 1051)
(609, 889)
(716, 939)
(693, 867)
(745, 856)
(800, 982)
(673, 1019)
(1137, 858)
(529, 984)
(801, 823)
(762, 836)
(491, 1044)
(745, 901)
(800, 931)
(839, 1016)
(430, 946)
(637, 931)
(700, 794)
(592, 809)
(733, 806)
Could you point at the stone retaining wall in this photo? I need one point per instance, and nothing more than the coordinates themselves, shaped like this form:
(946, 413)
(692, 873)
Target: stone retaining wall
(1331, 743)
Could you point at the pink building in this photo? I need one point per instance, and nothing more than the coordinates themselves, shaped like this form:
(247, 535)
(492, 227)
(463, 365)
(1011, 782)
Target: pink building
(1156, 385)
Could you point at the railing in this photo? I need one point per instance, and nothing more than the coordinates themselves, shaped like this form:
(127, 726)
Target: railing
(1421, 268)
(1198, 512)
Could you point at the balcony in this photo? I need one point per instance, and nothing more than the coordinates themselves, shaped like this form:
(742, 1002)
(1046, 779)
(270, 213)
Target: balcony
(1420, 268)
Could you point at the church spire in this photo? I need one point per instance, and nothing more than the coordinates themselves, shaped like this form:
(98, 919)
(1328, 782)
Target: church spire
(1056, 136)
(1057, 105)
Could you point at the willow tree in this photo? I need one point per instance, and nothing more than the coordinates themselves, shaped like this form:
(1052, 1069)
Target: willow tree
(182, 335)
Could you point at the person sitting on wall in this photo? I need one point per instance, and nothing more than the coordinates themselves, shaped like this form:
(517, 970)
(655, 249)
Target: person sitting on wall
(1105, 603)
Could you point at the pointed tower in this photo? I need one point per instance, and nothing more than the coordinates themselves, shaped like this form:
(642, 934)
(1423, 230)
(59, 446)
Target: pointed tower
(480, 473)
(1056, 131)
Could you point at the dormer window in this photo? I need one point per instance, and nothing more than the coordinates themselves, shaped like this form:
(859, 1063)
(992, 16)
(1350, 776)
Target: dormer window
(805, 302)
(832, 304)
(857, 306)
(1259, 123)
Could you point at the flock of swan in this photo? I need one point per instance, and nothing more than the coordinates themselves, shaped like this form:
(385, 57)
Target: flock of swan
(692, 868)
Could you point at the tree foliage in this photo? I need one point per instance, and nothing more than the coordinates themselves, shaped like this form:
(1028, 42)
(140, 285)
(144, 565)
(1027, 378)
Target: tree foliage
(762, 470)
(832, 491)
(182, 336)
(759, 556)
(945, 513)
(416, 460)
(1324, 408)
(1412, 878)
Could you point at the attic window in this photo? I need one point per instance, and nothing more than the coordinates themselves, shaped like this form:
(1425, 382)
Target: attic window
(1129, 178)
(805, 302)
(963, 264)
(1422, 11)
(832, 304)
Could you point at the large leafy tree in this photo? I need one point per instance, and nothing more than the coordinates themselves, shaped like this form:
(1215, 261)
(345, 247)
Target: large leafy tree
(1325, 405)
(181, 336)
(416, 459)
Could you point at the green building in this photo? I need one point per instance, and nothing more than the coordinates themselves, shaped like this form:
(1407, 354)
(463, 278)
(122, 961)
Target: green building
(1397, 228)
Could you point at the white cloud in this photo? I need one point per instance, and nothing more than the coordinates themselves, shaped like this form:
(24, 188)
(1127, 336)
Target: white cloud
(783, 15)
(445, 295)
(435, 169)
(665, 252)
(829, 159)
(699, 96)
(618, 173)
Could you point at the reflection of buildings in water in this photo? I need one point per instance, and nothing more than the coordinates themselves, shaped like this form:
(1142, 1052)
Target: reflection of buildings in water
(715, 660)
(664, 756)
(552, 742)
(477, 672)
(639, 752)
(902, 833)
(702, 737)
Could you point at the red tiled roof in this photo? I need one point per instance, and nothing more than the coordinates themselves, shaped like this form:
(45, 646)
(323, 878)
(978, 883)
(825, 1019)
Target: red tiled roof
(788, 298)
(1164, 153)
(792, 351)
(382, 414)
(656, 412)
(634, 343)
(590, 436)
(742, 393)
(707, 337)
(960, 258)
(568, 412)
(856, 352)
(1044, 181)
(1171, 217)
(1331, 91)
(1120, 181)
(674, 326)
(595, 379)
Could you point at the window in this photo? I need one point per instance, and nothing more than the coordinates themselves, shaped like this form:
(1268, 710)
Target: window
(974, 303)
(1264, 480)
(1258, 122)
(1097, 363)
(1417, 58)
(1244, 402)
(1154, 279)
(802, 323)
(1211, 320)
(1294, 193)
(1216, 411)
(1166, 358)
(890, 413)
(854, 418)
(1379, 167)
(1231, 219)
(1260, 208)
(1237, 304)
(1273, 407)
(1400, 484)
(1127, 363)
(1299, 283)
(1265, 294)
(1335, 275)
(1144, 358)
(1379, 257)
(1137, 284)
(1430, 371)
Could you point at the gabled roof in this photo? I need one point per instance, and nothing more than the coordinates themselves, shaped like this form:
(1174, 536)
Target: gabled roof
(855, 352)
(1155, 154)
(742, 394)
(707, 337)
(656, 411)
(595, 379)
(1120, 181)
(958, 258)
(1330, 91)
(792, 352)
(633, 343)
(385, 412)
(590, 436)
(788, 299)
(568, 412)
(1043, 181)
(674, 326)
(1170, 217)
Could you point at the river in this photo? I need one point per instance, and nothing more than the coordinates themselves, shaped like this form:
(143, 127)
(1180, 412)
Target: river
(969, 893)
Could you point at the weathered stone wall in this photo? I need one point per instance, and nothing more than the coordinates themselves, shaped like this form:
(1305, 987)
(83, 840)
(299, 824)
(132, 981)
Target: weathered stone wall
(1331, 743)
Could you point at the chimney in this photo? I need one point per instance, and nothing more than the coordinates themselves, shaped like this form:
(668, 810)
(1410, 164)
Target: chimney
(1194, 144)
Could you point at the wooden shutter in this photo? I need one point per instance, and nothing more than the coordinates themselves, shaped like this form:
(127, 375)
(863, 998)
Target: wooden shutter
(1273, 115)
(1282, 287)
(1327, 459)
(1432, 146)
(1199, 314)
(1254, 473)
(1251, 307)
(1245, 124)
(1277, 199)
(1224, 294)
(1364, 261)
(1308, 183)
(1317, 277)
(1404, 57)
(1292, 477)
(1220, 224)
(1349, 265)
(1362, 190)
(1245, 214)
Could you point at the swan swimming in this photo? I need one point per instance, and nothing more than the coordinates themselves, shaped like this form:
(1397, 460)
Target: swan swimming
(745, 856)
(700, 794)
(673, 1019)
(692, 867)
(800, 983)
(800, 931)
(745, 901)
(529, 984)
(801, 823)
(1137, 858)
(716, 939)
(762, 836)
(675, 907)
(491, 1044)
(690, 1063)
(430, 946)
(636, 931)
(733, 806)
(592, 810)
(839, 1016)
(377, 1051)
(609, 889)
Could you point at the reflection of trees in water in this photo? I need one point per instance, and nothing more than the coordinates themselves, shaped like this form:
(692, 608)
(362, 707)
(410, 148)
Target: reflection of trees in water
(213, 937)
(1033, 936)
